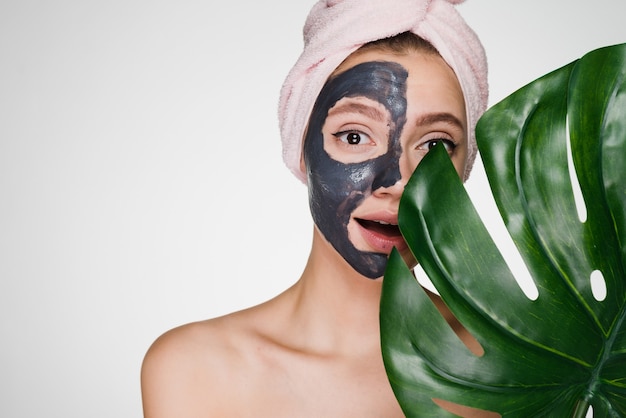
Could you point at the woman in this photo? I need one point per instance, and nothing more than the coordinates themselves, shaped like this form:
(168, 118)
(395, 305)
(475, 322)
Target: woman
(362, 106)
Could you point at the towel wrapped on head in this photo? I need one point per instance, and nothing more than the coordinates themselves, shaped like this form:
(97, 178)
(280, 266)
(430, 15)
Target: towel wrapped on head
(336, 28)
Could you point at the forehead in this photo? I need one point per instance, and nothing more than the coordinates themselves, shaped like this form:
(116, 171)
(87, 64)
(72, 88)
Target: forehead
(418, 64)
(431, 85)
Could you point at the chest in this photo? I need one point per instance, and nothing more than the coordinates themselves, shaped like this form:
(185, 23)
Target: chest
(317, 387)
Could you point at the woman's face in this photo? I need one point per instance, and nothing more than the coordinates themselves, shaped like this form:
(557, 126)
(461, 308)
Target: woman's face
(374, 120)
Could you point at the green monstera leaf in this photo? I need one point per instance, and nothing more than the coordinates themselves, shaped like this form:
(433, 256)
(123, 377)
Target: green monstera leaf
(565, 351)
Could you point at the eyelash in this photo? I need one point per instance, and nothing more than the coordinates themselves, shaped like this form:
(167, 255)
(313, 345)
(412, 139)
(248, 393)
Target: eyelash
(339, 134)
(448, 143)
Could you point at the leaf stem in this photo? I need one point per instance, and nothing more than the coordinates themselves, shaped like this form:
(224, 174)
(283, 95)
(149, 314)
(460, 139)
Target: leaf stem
(581, 409)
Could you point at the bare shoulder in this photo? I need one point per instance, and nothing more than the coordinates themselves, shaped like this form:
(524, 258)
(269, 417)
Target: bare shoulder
(186, 371)
(259, 362)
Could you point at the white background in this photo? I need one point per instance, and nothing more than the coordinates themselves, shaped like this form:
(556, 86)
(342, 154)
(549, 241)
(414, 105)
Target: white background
(141, 183)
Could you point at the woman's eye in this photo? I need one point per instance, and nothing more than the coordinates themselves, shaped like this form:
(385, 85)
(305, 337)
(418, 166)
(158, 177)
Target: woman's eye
(353, 138)
(428, 145)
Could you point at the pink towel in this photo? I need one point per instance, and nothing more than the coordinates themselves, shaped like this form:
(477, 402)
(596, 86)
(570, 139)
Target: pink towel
(336, 28)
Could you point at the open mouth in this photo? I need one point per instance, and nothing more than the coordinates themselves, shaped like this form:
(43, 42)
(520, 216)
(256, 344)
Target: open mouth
(380, 227)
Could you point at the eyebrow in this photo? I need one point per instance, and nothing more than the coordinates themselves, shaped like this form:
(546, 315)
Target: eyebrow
(448, 118)
(369, 111)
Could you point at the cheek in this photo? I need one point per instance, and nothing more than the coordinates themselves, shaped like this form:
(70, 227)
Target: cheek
(334, 184)
(459, 160)
(337, 186)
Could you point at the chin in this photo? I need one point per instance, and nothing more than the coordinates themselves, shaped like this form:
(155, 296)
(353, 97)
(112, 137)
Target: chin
(368, 264)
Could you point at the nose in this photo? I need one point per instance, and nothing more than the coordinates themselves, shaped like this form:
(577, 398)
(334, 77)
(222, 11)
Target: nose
(393, 177)
(395, 190)
(388, 174)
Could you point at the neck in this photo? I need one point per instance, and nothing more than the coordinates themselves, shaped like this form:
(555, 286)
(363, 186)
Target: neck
(337, 306)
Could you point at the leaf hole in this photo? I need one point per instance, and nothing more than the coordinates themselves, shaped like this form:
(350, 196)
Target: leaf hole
(598, 285)
(457, 327)
(579, 201)
(423, 279)
(465, 411)
(487, 209)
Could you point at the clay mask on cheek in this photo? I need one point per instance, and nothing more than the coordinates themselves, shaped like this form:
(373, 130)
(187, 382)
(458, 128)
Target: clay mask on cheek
(336, 189)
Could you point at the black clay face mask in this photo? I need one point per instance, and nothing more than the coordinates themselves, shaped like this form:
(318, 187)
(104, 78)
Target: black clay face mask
(336, 189)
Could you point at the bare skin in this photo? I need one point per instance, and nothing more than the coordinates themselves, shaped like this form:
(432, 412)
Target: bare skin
(309, 352)
(314, 350)
(283, 358)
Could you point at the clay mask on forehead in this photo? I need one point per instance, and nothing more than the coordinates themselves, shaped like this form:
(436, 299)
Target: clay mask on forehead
(336, 189)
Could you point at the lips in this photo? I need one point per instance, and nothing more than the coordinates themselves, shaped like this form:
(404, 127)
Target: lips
(380, 227)
(381, 235)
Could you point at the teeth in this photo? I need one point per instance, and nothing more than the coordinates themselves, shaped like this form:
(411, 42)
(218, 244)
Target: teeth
(384, 223)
